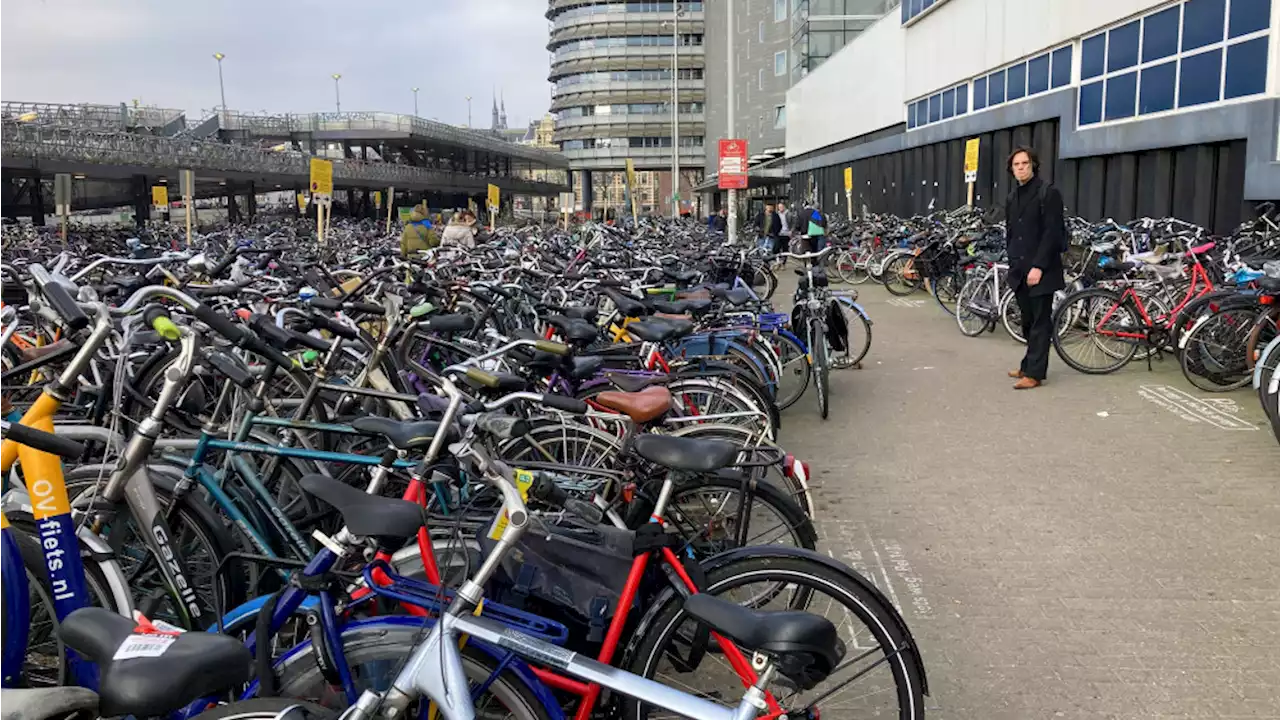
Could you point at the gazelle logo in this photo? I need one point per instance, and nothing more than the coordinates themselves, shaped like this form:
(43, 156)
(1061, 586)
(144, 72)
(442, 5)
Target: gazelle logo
(185, 591)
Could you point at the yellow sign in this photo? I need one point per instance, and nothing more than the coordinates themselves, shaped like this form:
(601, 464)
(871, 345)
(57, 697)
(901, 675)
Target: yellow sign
(377, 198)
(848, 179)
(493, 197)
(160, 195)
(322, 177)
(302, 202)
(631, 186)
(524, 481)
(971, 157)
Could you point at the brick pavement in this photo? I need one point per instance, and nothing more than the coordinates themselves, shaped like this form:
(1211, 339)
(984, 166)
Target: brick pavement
(1089, 549)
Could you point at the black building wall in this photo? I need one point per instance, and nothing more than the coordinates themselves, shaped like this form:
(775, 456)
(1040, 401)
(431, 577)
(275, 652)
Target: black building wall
(1203, 184)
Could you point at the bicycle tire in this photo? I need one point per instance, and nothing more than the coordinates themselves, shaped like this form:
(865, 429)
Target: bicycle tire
(1220, 371)
(385, 647)
(946, 289)
(821, 367)
(795, 370)
(894, 275)
(862, 321)
(1091, 306)
(769, 473)
(659, 641)
(1011, 316)
(971, 323)
(784, 508)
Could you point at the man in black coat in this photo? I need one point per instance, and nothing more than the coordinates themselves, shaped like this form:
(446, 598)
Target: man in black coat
(1034, 231)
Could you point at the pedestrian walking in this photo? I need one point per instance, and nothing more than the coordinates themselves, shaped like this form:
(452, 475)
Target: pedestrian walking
(418, 234)
(1036, 235)
(784, 235)
(762, 227)
(461, 231)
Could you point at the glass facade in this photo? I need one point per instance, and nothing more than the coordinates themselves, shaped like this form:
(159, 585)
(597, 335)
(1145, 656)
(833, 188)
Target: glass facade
(821, 27)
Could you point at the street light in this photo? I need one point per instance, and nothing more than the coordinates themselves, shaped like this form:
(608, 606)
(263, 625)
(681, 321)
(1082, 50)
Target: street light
(337, 97)
(415, 102)
(468, 111)
(221, 87)
(675, 109)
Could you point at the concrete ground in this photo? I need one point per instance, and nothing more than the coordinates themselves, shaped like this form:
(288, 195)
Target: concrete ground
(1101, 547)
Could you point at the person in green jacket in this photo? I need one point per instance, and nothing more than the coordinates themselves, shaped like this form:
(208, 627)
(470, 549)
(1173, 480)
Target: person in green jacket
(418, 233)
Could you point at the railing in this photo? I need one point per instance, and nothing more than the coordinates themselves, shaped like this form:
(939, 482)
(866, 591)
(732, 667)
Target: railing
(35, 142)
(87, 115)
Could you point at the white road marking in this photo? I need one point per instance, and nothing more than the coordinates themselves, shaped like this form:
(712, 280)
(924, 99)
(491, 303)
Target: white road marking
(1218, 412)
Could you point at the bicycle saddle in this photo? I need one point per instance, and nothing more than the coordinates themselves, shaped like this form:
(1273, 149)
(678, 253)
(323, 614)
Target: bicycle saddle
(652, 331)
(580, 313)
(682, 453)
(636, 383)
(196, 664)
(48, 703)
(680, 275)
(696, 308)
(629, 307)
(403, 435)
(642, 407)
(581, 368)
(364, 514)
(682, 325)
(448, 323)
(735, 297)
(805, 646)
(577, 332)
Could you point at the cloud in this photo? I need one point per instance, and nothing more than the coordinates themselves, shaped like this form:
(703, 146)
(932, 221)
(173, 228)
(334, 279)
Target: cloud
(280, 54)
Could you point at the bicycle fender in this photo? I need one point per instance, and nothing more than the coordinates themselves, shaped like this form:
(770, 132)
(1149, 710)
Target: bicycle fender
(719, 560)
(856, 308)
(517, 664)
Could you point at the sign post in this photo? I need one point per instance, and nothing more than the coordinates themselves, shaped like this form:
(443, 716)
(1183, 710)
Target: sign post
(322, 194)
(566, 207)
(971, 165)
(160, 197)
(391, 201)
(494, 197)
(631, 190)
(848, 191)
(733, 173)
(187, 187)
(62, 200)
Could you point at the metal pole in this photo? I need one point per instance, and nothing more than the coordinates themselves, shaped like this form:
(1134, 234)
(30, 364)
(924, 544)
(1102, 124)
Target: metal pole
(732, 228)
(337, 97)
(222, 88)
(675, 110)
(415, 102)
(468, 112)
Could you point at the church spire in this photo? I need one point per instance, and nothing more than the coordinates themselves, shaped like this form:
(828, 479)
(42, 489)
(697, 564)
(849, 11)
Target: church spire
(502, 117)
(495, 123)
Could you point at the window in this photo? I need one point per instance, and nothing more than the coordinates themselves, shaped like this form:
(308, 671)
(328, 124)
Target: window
(1188, 55)
(1093, 53)
(1122, 46)
(779, 10)
(912, 8)
(962, 99)
(1202, 22)
(1200, 76)
(1246, 68)
(1061, 67)
(1091, 103)
(1017, 81)
(1247, 16)
(1160, 34)
(779, 117)
(995, 88)
(761, 31)
(1156, 92)
(1037, 75)
(935, 108)
(979, 93)
(938, 107)
(1121, 94)
(948, 104)
(780, 63)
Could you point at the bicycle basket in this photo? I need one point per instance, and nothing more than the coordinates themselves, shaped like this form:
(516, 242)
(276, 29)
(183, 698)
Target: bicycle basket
(572, 565)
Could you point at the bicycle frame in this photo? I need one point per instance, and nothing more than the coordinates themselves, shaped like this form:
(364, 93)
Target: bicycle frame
(1198, 275)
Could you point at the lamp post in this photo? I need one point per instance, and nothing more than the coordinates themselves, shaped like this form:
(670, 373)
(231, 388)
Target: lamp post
(222, 89)
(468, 111)
(415, 102)
(675, 110)
(337, 97)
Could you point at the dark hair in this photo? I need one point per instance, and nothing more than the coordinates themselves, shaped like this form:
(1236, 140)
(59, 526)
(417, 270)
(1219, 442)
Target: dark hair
(1031, 154)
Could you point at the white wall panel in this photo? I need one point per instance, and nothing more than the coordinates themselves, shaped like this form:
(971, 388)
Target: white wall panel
(962, 38)
(856, 91)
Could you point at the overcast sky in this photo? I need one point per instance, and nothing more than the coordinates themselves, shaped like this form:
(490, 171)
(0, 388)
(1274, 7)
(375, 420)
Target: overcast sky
(281, 54)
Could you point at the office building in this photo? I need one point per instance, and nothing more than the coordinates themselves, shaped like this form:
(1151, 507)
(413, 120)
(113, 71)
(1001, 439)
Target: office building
(612, 69)
(1136, 107)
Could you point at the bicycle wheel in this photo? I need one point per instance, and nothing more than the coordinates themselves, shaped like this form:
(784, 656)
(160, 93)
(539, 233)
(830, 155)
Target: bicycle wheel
(1266, 329)
(973, 311)
(881, 676)
(1084, 328)
(794, 379)
(374, 654)
(267, 709)
(1214, 355)
(764, 277)
(859, 343)
(820, 366)
(946, 288)
(900, 276)
(711, 512)
(1011, 316)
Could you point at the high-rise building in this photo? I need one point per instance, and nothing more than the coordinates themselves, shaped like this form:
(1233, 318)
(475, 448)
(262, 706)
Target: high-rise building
(615, 67)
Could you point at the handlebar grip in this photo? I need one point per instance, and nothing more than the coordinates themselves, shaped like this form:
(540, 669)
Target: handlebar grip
(333, 326)
(585, 510)
(565, 404)
(219, 324)
(365, 307)
(550, 346)
(222, 265)
(157, 317)
(229, 368)
(481, 377)
(256, 346)
(311, 341)
(43, 441)
(325, 304)
(64, 305)
(502, 426)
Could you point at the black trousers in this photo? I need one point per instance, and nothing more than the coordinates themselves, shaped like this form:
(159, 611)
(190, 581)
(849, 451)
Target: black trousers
(1037, 326)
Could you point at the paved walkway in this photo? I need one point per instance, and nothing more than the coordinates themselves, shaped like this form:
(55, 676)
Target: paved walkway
(1099, 547)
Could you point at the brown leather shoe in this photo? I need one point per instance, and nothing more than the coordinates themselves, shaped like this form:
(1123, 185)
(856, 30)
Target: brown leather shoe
(1015, 373)
(1026, 383)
